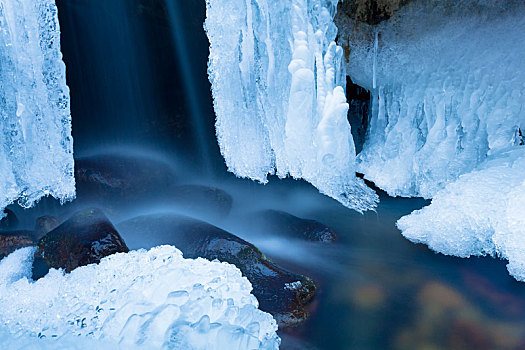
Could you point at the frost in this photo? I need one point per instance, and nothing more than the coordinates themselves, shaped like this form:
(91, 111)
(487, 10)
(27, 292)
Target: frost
(36, 153)
(482, 213)
(278, 85)
(151, 299)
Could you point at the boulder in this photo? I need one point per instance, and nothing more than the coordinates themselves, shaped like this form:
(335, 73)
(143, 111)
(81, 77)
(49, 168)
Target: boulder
(113, 177)
(86, 238)
(282, 293)
(287, 225)
(44, 225)
(202, 199)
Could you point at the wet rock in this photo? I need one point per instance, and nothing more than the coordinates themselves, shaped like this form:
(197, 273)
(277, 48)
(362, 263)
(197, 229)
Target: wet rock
(84, 239)
(287, 225)
(11, 241)
(203, 199)
(281, 293)
(44, 225)
(9, 221)
(113, 177)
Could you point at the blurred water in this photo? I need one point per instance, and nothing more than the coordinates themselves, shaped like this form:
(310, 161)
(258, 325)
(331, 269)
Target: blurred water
(137, 72)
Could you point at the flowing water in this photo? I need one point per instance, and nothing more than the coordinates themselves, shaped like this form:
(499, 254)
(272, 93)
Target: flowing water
(137, 72)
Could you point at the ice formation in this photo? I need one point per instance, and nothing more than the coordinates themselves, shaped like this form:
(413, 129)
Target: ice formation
(482, 213)
(448, 97)
(148, 299)
(447, 110)
(278, 84)
(447, 82)
(36, 153)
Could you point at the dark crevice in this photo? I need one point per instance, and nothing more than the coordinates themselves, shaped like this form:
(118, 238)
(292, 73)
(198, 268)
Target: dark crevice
(520, 134)
(358, 114)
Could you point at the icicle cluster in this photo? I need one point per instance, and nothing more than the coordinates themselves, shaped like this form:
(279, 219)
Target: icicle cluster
(447, 120)
(278, 84)
(36, 153)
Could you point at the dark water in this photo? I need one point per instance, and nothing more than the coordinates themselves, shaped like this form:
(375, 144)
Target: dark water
(128, 66)
(376, 289)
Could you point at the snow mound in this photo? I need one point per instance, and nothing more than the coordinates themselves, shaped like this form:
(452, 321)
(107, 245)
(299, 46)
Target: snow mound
(278, 84)
(482, 213)
(149, 299)
(36, 153)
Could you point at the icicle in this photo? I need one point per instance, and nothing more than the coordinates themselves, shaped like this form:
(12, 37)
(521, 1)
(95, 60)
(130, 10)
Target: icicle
(374, 67)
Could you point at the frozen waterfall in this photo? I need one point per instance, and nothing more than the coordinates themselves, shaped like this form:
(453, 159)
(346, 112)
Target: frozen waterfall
(36, 157)
(278, 85)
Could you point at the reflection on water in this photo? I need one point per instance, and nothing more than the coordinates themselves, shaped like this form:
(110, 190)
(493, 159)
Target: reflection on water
(376, 290)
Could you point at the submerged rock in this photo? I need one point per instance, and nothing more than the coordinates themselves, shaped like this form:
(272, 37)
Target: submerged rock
(113, 177)
(113, 182)
(11, 241)
(9, 221)
(84, 239)
(285, 224)
(279, 292)
(44, 225)
(210, 200)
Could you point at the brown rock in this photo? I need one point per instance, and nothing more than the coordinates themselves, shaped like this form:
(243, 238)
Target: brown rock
(11, 241)
(84, 239)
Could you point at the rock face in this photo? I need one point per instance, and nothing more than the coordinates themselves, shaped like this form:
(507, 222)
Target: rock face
(84, 239)
(11, 241)
(371, 12)
(9, 221)
(287, 225)
(280, 292)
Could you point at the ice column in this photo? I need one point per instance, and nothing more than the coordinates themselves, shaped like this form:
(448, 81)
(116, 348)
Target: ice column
(36, 153)
(278, 84)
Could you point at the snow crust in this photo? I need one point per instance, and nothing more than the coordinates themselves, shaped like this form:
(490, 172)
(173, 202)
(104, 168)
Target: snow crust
(36, 153)
(141, 299)
(482, 213)
(278, 84)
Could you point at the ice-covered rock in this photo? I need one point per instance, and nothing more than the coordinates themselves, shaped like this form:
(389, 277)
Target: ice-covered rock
(482, 213)
(278, 85)
(36, 153)
(148, 299)
(196, 238)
